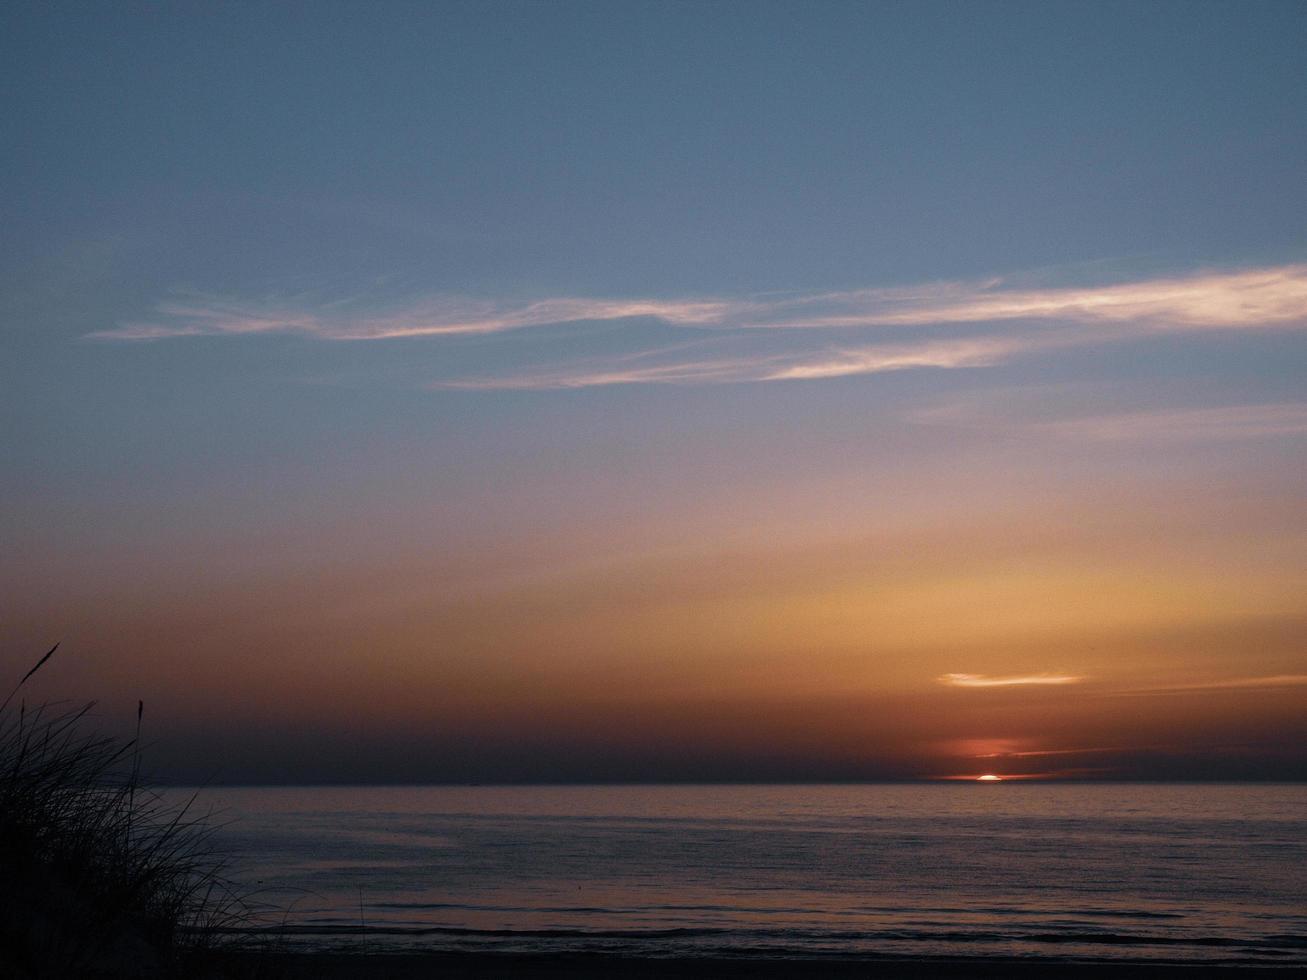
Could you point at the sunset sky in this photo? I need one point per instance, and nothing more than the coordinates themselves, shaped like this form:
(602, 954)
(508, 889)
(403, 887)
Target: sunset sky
(607, 391)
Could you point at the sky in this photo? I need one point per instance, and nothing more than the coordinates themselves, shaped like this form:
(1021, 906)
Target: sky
(660, 391)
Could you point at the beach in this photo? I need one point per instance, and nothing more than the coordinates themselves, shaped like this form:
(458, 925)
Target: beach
(345, 966)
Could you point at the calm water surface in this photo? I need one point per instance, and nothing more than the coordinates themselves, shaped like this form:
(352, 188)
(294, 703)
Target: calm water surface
(1169, 872)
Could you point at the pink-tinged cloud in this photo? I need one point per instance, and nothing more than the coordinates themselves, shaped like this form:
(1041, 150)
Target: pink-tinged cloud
(843, 362)
(1267, 297)
(1271, 682)
(872, 360)
(1205, 424)
(448, 317)
(1019, 680)
(1255, 297)
(1220, 423)
(710, 371)
(1040, 753)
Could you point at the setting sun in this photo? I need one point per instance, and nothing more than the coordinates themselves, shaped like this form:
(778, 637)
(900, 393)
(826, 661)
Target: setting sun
(989, 777)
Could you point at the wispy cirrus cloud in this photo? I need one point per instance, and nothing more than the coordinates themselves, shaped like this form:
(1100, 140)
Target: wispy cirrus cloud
(787, 337)
(1266, 683)
(1263, 297)
(827, 363)
(201, 317)
(1263, 683)
(1042, 753)
(1253, 297)
(1217, 423)
(980, 352)
(1016, 680)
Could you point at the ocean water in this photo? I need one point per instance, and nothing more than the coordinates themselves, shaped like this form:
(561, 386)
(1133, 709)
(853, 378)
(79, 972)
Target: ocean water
(1212, 873)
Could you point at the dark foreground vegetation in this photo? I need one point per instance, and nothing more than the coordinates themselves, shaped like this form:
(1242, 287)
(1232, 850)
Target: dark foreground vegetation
(98, 876)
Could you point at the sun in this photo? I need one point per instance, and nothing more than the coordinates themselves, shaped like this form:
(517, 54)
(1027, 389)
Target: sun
(989, 777)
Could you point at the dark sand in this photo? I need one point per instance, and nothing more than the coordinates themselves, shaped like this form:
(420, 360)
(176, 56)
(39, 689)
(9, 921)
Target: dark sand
(406, 966)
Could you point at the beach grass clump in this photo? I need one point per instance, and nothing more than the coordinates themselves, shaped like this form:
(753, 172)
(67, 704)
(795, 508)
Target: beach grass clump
(99, 875)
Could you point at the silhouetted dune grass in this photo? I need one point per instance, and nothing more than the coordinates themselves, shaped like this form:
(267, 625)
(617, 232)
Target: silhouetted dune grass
(99, 876)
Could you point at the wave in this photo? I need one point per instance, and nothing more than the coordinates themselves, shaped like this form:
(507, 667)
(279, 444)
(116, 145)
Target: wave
(1067, 915)
(724, 939)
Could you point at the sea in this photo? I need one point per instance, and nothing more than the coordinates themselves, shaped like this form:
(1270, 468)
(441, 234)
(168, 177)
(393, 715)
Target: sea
(1211, 873)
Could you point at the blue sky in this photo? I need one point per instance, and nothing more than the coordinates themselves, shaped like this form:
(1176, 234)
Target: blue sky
(399, 302)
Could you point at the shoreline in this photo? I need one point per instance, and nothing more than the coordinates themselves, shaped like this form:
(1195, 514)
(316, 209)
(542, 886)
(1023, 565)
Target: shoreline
(412, 966)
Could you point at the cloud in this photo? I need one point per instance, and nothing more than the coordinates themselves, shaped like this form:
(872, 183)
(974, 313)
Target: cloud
(870, 360)
(792, 337)
(433, 318)
(1021, 680)
(1263, 297)
(1207, 424)
(1215, 424)
(1271, 682)
(1040, 753)
(1254, 297)
(830, 363)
